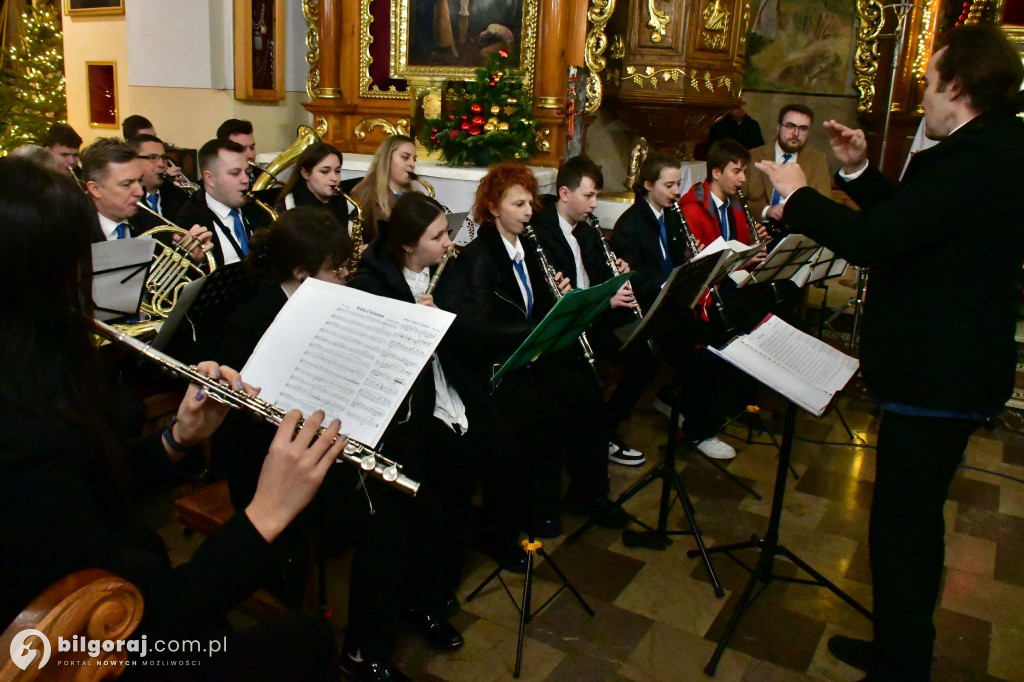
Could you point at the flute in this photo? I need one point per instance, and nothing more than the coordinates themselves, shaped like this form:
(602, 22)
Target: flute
(356, 453)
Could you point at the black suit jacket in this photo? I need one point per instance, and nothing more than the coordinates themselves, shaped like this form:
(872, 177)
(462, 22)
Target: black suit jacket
(196, 212)
(481, 289)
(945, 252)
(637, 240)
(556, 247)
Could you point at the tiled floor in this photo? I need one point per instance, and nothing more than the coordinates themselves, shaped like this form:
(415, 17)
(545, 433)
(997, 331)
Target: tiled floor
(657, 617)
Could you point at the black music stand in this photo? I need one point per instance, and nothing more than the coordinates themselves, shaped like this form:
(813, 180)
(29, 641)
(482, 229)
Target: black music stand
(531, 547)
(769, 547)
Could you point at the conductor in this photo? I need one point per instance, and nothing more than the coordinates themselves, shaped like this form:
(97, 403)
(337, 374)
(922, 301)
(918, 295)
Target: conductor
(937, 346)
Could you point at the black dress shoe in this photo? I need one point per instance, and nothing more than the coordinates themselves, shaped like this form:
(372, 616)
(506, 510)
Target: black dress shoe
(600, 510)
(439, 633)
(859, 653)
(370, 671)
(450, 607)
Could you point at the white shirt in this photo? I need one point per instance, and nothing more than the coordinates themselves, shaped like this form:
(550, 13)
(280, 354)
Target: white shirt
(448, 406)
(516, 253)
(658, 213)
(227, 244)
(581, 280)
(109, 227)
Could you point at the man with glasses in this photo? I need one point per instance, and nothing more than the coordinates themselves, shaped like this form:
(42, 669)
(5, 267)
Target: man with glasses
(789, 146)
(161, 195)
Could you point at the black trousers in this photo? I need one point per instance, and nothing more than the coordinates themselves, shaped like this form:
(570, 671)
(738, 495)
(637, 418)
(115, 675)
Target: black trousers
(917, 458)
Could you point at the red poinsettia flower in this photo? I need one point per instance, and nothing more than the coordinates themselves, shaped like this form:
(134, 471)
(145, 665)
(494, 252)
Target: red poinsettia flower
(503, 53)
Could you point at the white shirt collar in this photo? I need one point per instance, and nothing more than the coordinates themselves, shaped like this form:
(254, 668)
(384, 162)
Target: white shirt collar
(779, 154)
(514, 252)
(223, 212)
(108, 226)
(718, 202)
(417, 281)
(658, 212)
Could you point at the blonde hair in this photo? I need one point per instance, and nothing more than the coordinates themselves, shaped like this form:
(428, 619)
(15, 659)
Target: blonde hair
(374, 191)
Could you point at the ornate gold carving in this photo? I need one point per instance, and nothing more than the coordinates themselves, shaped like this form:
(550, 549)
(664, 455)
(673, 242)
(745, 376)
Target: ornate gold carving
(320, 126)
(400, 67)
(598, 15)
(540, 139)
(636, 159)
(658, 21)
(715, 29)
(401, 127)
(432, 104)
(696, 80)
(366, 86)
(550, 103)
(312, 14)
(744, 29)
(865, 59)
(924, 39)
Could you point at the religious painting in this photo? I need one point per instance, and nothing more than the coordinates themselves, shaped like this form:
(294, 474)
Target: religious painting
(101, 80)
(259, 49)
(801, 46)
(452, 38)
(86, 7)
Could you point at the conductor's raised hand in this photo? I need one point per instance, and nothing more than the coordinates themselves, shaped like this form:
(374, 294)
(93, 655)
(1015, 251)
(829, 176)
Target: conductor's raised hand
(292, 471)
(785, 177)
(850, 146)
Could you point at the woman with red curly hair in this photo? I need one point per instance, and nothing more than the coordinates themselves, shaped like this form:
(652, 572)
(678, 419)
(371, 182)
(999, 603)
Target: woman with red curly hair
(553, 404)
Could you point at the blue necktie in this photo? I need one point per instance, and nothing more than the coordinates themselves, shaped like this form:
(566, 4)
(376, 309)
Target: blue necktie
(152, 200)
(666, 262)
(122, 231)
(776, 197)
(521, 271)
(723, 220)
(243, 240)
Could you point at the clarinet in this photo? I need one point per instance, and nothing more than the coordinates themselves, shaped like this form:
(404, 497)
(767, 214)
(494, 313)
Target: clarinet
(716, 296)
(754, 236)
(549, 277)
(612, 260)
(362, 456)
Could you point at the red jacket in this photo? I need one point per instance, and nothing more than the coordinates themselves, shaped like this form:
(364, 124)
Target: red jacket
(702, 217)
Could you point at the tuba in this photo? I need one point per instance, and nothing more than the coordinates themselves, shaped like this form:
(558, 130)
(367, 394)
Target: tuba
(306, 137)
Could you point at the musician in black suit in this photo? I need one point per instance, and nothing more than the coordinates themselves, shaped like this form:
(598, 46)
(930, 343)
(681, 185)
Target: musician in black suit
(221, 205)
(499, 289)
(573, 246)
(160, 193)
(937, 345)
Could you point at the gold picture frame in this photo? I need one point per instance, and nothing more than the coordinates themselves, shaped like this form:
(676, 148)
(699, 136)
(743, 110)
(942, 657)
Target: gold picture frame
(406, 44)
(101, 85)
(93, 7)
(259, 49)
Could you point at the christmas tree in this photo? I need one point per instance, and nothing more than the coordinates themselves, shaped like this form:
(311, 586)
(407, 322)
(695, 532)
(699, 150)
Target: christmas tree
(32, 95)
(488, 121)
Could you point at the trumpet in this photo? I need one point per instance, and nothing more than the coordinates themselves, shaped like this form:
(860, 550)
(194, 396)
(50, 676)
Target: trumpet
(356, 453)
(182, 183)
(450, 253)
(549, 277)
(716, 296)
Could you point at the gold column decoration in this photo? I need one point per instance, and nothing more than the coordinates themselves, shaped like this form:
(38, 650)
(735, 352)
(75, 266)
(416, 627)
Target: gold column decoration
(598, 15)
(367, 124)
(658, 21)
(541, 140)
(309, 11)
(320, 126)
(745, 27)
(865, 60)
(715, 28)
(924, 40)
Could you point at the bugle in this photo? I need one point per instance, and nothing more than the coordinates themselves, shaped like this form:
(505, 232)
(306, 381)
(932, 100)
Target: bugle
(355, 453)
(549, 277)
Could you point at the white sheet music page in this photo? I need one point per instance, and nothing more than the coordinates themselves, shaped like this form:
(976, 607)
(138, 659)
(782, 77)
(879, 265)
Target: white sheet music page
(346, 352)
(807, 371)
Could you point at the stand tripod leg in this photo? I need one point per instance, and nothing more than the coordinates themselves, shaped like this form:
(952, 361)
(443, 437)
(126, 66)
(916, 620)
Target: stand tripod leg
(524, 611)
(825, 582)
(691, 518)
(565, 581)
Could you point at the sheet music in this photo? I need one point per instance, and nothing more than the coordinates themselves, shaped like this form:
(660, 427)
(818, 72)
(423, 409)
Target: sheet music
(349, 353)
(734, 245)
(120, 267)
(807, 371)
(784, 261)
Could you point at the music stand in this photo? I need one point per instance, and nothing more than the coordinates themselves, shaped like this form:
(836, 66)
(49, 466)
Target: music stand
(769, 546)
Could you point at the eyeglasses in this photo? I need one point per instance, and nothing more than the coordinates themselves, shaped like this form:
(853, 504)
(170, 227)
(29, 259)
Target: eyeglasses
(792, 128)
(151, 157)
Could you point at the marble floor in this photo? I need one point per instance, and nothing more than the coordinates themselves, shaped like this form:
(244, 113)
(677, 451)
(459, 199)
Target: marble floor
(656, 614)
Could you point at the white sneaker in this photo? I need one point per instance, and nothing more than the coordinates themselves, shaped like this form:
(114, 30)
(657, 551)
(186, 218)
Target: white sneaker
(661, 406)
(716, 449)
(620, 453)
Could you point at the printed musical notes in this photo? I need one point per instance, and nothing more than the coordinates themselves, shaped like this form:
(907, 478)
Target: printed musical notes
(348, 353)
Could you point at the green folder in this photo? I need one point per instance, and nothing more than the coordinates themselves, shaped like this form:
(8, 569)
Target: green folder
(570, 317)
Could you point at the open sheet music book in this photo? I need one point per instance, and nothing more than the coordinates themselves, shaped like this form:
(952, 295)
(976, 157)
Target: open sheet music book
(807, 371)
(783, 262)
(824, 264)
(346, 352)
